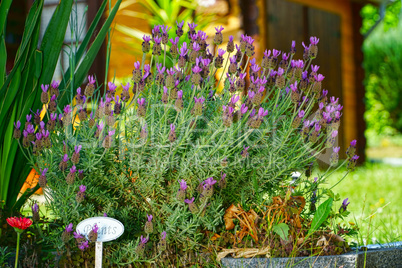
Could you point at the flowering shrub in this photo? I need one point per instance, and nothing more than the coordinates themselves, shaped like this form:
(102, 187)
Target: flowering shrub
(172, 151)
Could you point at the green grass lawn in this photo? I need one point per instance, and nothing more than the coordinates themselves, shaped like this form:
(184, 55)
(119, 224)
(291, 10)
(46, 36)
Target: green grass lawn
(375, 195)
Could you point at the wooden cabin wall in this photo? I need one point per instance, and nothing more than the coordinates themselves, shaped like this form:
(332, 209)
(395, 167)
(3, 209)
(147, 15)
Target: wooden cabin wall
(350, 58)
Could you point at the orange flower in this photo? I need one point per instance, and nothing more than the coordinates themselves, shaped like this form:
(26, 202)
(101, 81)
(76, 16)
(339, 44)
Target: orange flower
(19, 223)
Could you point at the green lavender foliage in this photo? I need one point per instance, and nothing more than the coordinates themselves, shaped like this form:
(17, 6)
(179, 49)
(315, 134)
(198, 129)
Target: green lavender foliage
(131, 164)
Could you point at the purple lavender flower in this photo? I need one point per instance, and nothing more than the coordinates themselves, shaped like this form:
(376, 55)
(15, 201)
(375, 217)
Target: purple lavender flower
(353, 143)
(314, 68)
(192, 26)
(77, 234)
(69, 228)
(161, 69)
(293, 86)
(157, 40)
(189, 201)
(91, 79)
(165, 28)
(243, 108)
(45, 88)
(67, 109)
(163, 235)
(314, 40)
(144, 240)
(180, 94)
(65, 158)
(77, 149)
(183, 50)
(35, 208)
(255, 68)
(180, 25)
(219, 29)
(73, 169)
(262, 112)
(344, 205)
(275, 53)
(319, 77)
(82, 188)
(251, 94)
(210, 181)
(141, 101)
(146, 38)
(221, 52)
(83, 245)
(199, 100)
(234, 99)
(183, 185)
(18, 125)
(55, 84)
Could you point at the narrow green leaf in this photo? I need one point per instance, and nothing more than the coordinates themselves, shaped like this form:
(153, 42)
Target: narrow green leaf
(281, 229)
(321, 215)
(7, 156)
(87, 38)
(4, 8)
(83, 68)
(53, 39)
(32, 20)
(11, 93)
(38, 63)
(3, 60)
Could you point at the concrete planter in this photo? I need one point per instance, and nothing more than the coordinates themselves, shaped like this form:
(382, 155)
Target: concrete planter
(377, 258)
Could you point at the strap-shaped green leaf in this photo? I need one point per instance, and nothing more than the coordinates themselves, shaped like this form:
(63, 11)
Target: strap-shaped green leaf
(53, 39)
(32, 20)
(86, 63)
(85, 41)
(4, 8)
(5, 166)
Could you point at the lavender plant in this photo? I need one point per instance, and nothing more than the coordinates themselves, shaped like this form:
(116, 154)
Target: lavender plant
(172, 151)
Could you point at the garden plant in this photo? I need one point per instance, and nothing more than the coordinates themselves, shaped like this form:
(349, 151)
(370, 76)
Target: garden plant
(193, 171)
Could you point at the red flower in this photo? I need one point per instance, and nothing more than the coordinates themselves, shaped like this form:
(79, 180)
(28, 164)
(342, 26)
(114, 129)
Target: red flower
(19, 223)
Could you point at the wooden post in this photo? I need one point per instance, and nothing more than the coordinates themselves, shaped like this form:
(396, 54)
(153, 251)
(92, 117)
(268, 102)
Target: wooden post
(359, 77)
(98, 254)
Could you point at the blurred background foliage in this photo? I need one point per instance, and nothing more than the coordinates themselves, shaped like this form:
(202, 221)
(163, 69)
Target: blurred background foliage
(383, 65)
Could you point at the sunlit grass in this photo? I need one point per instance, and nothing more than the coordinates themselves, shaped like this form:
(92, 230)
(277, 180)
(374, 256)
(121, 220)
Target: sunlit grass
(375, 195)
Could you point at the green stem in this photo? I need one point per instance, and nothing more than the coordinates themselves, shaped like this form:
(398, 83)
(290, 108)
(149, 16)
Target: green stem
(224, 68)
(164, 55)
(18, 249)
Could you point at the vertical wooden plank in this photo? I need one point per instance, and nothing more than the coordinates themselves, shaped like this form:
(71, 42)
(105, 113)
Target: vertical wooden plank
(284, 23)
(359, 77)
(327, 27)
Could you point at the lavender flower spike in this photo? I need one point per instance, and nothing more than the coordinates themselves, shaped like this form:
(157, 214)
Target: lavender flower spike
(183, 185)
